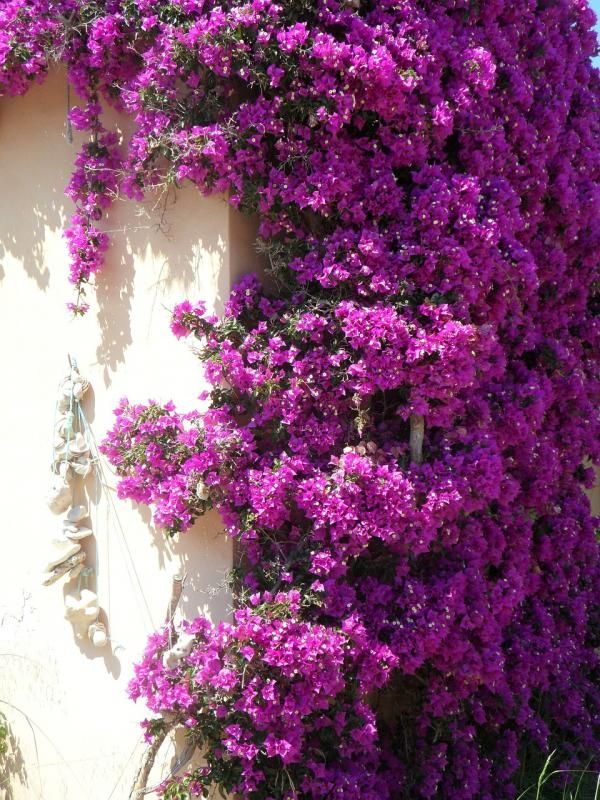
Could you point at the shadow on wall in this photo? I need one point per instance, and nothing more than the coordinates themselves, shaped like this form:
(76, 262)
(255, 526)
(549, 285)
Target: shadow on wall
(206, 566)
(156, 246)
(28, 251)
(168, 242)
(32, 196)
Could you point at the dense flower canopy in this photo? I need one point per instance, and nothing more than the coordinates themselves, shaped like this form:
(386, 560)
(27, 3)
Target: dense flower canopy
(400, 423)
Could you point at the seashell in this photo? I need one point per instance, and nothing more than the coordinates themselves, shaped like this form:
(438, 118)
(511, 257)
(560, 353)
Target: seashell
(75, 514)
(66, 387)
(76, 387)
(97, 634)
(78, 445)
(80, 388)
(81, 610)
(58, 442)
(180, 649)
(68, 452)
(88, 598)
(81, 467)
(60, 449)
(169, 660)
(64, 472)
(77, 601)
(81, 615)
(77, 534)
(60, 495)
(64, 403)
(69, 527)
(62, 549)
(64, 424)
(202, 490)
(60, 570)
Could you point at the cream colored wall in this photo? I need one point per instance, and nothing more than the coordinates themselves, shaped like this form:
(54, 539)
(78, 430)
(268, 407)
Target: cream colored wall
(77, 733)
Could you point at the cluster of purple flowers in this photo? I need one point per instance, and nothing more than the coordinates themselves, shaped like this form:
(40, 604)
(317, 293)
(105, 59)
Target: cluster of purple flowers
(179, 463)
(399, 435)
(269, 695)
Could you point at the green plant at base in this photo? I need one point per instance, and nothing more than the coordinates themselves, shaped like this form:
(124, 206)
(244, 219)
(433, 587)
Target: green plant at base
(563, 784)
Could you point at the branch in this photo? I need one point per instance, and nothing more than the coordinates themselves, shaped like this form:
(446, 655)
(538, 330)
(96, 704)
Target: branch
(176, 588)
(140, 784)
(61, 569)
(417, 432)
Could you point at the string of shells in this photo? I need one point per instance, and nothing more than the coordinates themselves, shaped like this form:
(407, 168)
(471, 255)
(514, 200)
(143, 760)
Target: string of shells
(71, 463)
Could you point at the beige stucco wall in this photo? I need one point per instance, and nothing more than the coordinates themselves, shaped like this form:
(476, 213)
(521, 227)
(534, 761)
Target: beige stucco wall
(76, 731)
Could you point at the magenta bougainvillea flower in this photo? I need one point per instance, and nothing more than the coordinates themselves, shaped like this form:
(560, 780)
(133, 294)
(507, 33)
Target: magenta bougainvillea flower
(400, 429)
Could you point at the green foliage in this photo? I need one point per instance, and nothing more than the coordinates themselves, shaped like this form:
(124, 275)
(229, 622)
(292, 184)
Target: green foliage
(3, 734)
(562, 784)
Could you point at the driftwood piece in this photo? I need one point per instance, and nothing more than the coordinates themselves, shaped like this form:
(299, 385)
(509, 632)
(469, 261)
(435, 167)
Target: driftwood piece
(184, 759)
(176, 589)
(140, 784)
(61, 569)
(417, 432)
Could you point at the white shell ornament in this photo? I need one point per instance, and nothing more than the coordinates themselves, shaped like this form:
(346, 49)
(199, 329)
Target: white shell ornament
(202, 490)
(86, 599)
(78, 533)
(97, 634)
(69, 527)
(60, 495)
(180, 649)
(82, 609)
(63, 471)
(77, 446)
(64, 424)
(77, 387)
(81, 467)
(73, 459)
(76, 513)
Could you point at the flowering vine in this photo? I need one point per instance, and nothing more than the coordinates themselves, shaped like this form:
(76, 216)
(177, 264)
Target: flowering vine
(398, 427)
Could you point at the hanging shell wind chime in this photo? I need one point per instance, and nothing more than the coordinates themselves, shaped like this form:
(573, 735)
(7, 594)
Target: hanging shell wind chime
(72, 463)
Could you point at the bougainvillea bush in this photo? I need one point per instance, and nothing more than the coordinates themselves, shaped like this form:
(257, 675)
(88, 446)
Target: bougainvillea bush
(402, 418)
